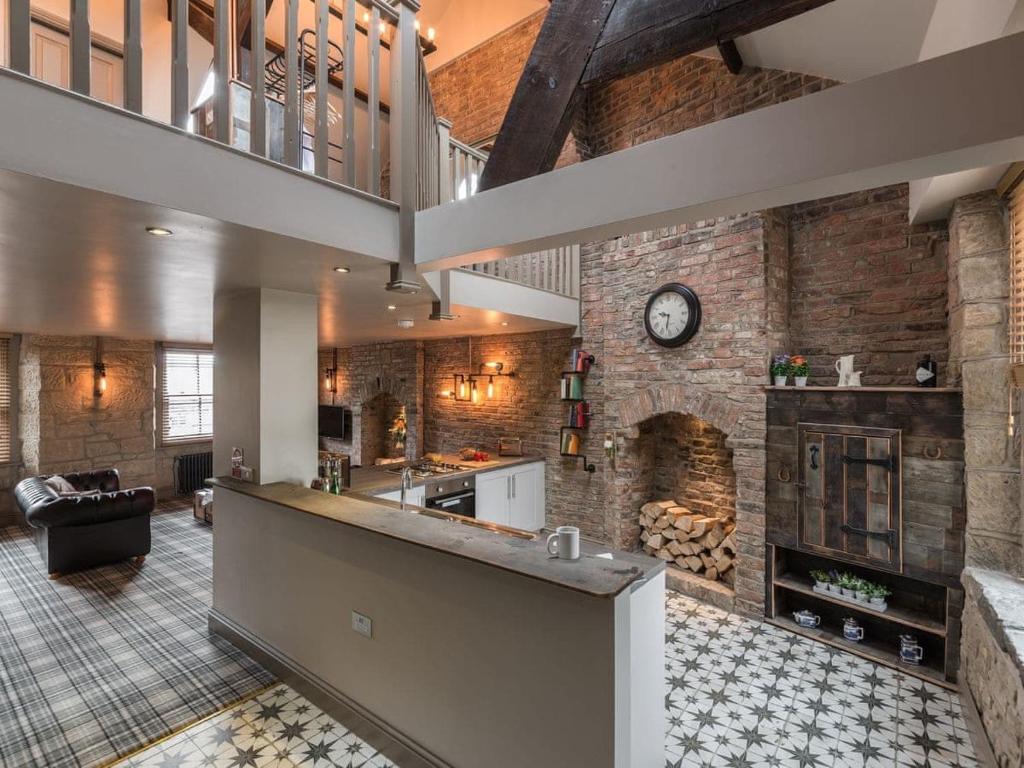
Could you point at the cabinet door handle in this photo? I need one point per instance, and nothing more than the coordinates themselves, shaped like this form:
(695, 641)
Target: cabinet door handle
(508, 487)
(513, 486)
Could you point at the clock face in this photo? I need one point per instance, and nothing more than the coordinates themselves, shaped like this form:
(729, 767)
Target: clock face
(672, 315)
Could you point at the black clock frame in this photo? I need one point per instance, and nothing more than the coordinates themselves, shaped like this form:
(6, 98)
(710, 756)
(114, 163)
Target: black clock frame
(692, 325)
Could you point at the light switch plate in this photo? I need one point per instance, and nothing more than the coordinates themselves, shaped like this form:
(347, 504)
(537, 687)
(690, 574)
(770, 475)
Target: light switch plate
(362, 624)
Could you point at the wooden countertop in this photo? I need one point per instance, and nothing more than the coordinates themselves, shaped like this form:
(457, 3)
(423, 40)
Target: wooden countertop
(377, 479)
(590, 575)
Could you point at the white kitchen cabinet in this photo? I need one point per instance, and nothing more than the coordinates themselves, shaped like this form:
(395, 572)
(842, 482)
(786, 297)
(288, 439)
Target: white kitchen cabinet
(513, 496)
(493, 491)
(415, 496)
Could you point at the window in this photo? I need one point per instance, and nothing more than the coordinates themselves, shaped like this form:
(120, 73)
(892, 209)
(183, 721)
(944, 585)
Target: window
(1016, 202)
(186, 403)
(6, 398)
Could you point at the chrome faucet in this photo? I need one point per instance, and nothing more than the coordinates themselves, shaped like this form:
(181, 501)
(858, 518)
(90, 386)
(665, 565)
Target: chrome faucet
(406, 484)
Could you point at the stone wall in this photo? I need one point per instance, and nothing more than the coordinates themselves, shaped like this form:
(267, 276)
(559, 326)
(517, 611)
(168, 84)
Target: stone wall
(864, 282)
(63, 427)
(993, 659)
(978, 316)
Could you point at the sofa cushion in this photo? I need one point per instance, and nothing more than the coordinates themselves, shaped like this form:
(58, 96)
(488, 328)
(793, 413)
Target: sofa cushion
(60, 485)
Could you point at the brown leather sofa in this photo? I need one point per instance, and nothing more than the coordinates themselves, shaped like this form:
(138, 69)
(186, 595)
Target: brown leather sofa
(101, 524)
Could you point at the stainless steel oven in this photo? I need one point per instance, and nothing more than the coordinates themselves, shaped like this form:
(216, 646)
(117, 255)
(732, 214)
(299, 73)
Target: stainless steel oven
(456, 496)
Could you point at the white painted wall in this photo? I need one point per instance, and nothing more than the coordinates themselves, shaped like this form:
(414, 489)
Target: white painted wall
(288, 387)
(478, 665)
(265, 396)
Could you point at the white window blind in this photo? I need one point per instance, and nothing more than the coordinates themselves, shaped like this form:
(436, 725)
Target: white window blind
(1017, 275)
(5, 400)
(187, 399)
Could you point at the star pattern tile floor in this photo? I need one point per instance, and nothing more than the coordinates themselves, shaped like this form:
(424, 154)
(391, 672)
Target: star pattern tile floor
(740, 694)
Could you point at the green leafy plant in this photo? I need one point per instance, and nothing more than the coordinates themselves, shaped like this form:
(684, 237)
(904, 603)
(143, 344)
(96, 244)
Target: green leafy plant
(848, 581)
(820, 577)
(878, 591)
(780, 365)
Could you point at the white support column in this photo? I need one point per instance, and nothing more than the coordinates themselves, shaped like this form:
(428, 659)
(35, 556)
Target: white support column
(265, 383)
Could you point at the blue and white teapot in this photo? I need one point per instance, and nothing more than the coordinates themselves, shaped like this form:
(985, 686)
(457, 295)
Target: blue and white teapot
(852, 630)
(807, 619)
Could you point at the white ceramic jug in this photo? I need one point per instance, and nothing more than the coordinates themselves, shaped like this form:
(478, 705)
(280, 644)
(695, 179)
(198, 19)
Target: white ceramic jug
(844, 367)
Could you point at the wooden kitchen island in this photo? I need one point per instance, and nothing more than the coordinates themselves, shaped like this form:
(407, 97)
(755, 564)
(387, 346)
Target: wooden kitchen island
(483, 650)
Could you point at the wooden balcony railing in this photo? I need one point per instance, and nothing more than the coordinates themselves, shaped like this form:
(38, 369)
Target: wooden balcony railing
(292, 100)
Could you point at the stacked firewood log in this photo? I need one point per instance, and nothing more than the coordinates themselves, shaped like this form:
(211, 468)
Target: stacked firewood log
(694, 542)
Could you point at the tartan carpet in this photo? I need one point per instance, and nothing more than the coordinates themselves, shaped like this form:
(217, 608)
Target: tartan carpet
(102, 662)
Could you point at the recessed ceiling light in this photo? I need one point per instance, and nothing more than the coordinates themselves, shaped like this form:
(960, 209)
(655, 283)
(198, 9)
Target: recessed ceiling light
(159, 231)
(343, 270)
(392, 307)
(405, 323)
(504, 322)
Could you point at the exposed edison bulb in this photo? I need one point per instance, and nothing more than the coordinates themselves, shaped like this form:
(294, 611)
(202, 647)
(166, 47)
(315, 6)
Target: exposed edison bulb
(475, 394)
(383, 28)
(366, 17)
(417, 25)
(490, 389)
(446, 393)
(462, 390)
(431, 34)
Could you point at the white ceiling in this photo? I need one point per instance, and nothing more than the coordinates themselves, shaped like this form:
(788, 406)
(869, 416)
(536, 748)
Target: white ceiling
(79, 262)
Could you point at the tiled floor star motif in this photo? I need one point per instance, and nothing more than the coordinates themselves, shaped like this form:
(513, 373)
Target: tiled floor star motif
(743, 694)
(277, 729)
(740, 694)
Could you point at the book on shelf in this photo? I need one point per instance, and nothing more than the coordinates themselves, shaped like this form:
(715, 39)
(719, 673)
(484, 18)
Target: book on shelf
(578, 415)
(572, 388)
(571, 443)
(580, 360)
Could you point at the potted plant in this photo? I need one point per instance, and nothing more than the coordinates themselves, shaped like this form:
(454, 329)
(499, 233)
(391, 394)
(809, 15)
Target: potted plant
(848, 583)
(833, 582)
(800, 369)
(780, 369)
(877, 595)
(861, 589)
(821, 579)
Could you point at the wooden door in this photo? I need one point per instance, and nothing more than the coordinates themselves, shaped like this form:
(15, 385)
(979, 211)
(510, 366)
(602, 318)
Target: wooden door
(850, 493)
(51, 54)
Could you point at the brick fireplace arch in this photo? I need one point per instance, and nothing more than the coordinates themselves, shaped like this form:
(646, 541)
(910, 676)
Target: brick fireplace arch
(741, 420)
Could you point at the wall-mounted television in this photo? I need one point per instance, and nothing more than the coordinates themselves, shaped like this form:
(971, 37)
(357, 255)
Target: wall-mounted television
(335, 421)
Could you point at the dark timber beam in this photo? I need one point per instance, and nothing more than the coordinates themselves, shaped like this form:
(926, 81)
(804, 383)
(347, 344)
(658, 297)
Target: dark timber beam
(731, 56)
(588, 42)
(545, 100)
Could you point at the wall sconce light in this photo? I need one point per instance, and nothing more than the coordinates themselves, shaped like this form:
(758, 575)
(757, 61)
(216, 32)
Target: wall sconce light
(490, 387)
(330, 380)
(99, 376)
(99, 371)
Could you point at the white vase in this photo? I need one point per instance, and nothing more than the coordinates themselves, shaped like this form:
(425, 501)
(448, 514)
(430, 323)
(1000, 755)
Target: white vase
(780, 381)
(801, 381)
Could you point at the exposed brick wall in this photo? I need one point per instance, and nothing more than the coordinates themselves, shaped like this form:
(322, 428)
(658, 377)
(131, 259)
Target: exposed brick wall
(474, 90)
(527, 406)
(863, 281)
(62, 427)
(683, 94)
(693, 465)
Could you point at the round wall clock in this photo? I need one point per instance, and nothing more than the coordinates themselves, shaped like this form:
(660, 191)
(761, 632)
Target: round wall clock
(672, 316)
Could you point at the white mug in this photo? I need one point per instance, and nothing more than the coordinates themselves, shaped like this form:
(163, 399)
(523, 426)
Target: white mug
(565, 542)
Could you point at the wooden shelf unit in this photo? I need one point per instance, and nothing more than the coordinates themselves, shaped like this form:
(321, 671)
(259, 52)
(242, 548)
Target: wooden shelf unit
(915, 607)
(580, 429)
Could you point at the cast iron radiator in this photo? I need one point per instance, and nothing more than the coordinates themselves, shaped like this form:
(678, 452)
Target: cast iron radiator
(190, 471)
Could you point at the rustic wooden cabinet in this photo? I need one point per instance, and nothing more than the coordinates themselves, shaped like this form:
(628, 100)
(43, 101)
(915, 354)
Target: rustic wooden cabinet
(869, 481)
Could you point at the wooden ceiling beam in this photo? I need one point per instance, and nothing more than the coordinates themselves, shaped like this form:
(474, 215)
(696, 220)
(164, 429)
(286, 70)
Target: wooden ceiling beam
(731, 56)
(586, 42)
(645, 33)
(540, 114)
